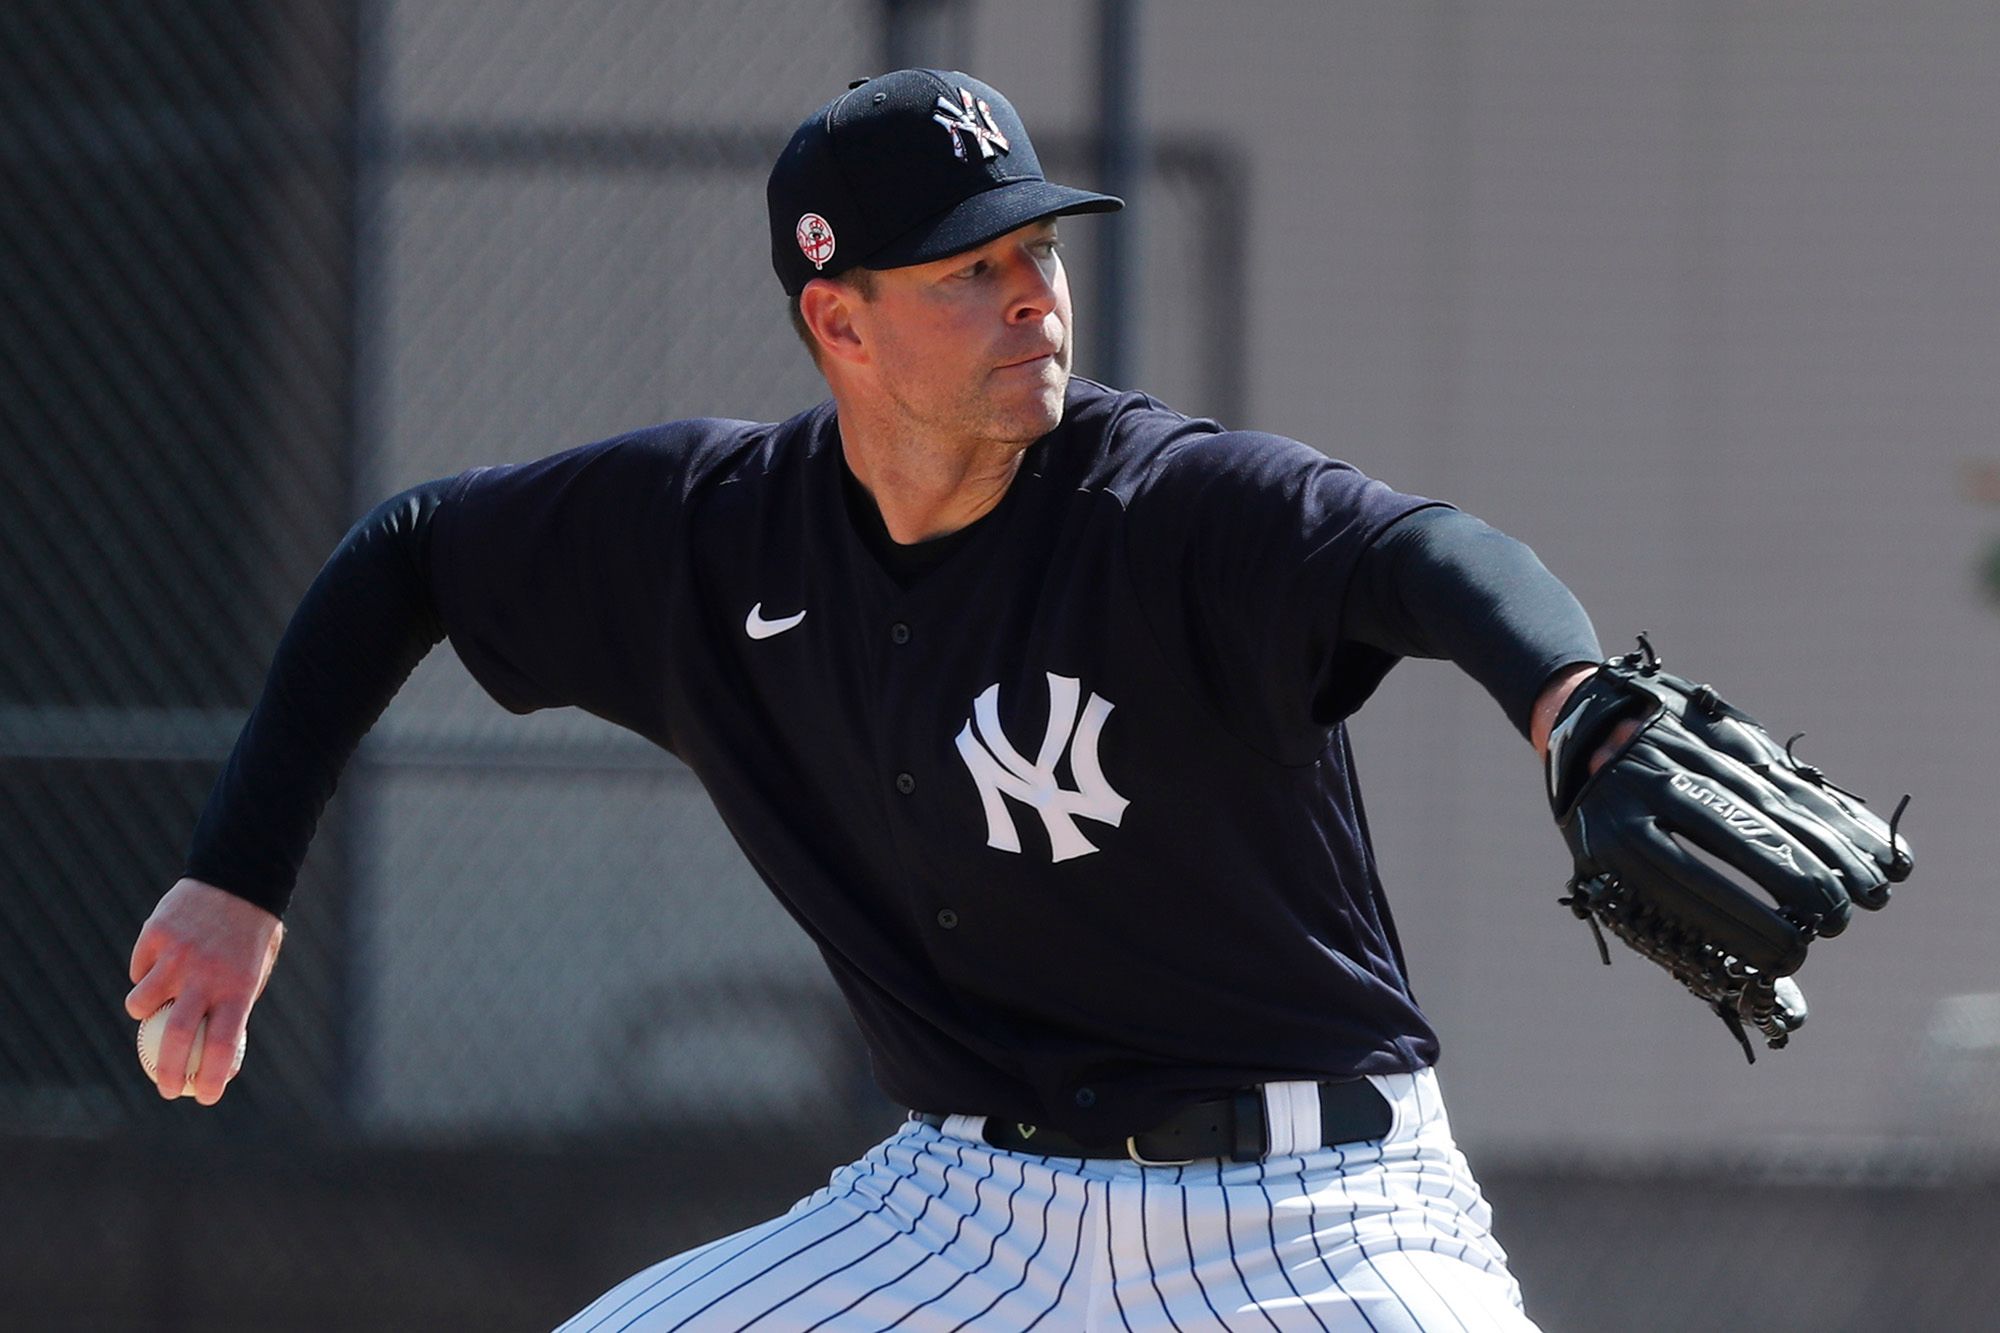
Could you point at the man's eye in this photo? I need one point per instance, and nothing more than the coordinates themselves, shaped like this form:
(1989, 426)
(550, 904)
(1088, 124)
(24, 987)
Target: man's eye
(971, 270)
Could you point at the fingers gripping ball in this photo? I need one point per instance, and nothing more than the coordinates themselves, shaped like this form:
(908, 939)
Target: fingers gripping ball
(149, 1047)
(1705, 846)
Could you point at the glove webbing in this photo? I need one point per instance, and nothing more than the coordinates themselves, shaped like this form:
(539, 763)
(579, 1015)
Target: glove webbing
(1737, 992)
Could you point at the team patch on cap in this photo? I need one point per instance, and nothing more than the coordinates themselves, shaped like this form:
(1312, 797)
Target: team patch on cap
(815, 239)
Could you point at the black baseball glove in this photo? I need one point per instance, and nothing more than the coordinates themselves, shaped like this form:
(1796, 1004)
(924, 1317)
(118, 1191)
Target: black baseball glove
(1704, 845)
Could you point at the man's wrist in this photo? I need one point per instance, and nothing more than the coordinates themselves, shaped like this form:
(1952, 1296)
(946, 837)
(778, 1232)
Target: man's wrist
(1555, 691)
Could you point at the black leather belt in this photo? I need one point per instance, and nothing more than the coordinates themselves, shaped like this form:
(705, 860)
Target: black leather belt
(1350, 1110)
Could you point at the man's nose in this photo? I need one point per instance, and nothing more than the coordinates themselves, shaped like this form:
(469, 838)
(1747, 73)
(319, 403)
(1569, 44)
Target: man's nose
(1032, 292)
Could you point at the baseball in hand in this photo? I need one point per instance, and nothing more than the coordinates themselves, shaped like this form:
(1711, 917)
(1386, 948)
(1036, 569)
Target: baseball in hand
(149, 1046)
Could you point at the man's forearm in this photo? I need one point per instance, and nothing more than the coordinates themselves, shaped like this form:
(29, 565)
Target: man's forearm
(362, 627)
(1442, 584)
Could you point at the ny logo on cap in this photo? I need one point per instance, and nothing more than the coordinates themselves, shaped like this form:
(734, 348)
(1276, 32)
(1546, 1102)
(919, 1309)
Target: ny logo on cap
(970, 117)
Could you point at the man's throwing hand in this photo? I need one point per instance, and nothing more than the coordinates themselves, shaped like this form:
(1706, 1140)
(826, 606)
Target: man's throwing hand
(212, 953)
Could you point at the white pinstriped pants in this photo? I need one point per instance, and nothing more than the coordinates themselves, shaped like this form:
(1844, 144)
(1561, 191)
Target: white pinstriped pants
(932, 1230)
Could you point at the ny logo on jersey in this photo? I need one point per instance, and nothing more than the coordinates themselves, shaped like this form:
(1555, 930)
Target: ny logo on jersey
(999, 770)
(973, 118)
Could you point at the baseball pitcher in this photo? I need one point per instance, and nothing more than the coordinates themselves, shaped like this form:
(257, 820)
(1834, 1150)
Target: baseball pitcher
(1026, 697)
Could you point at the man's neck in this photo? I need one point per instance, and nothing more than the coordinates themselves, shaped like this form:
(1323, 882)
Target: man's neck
(924, 492)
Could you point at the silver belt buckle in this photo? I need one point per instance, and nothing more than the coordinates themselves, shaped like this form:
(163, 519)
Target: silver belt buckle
(1132, 1151)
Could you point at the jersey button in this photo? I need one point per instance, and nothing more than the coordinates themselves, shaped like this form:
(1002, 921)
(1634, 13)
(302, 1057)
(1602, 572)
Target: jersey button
(1086, 1097)
(899, 633)
(948, 919)
(905, 783)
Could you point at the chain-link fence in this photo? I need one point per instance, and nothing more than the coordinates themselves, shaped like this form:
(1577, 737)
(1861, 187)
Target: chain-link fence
(263, 263)
(176, 338)
(301, 257)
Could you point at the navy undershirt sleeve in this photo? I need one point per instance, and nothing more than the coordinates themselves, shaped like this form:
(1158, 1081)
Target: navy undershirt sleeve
(1440, 583)
(362, 627)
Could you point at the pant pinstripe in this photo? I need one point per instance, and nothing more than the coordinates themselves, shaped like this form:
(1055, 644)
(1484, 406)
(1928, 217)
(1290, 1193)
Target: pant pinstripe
(934, 1231)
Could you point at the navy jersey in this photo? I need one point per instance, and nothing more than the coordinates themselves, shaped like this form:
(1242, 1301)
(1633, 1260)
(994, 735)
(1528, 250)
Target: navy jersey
(1073, 817)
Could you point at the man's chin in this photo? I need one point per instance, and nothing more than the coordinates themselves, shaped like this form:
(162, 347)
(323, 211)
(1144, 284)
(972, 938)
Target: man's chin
(1034, 414)
(1046, 419)
(1054, 391)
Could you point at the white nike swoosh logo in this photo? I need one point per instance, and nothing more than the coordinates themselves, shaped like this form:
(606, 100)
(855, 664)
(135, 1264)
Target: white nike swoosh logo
(759, 628)
(1558, 743)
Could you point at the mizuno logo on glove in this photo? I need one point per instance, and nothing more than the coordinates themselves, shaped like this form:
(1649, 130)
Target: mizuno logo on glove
(1741, 821)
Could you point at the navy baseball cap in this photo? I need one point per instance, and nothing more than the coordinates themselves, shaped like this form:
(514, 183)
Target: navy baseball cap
(907, 168)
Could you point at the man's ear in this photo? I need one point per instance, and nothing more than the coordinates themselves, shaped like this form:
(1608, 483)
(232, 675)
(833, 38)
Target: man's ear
(828, 310)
